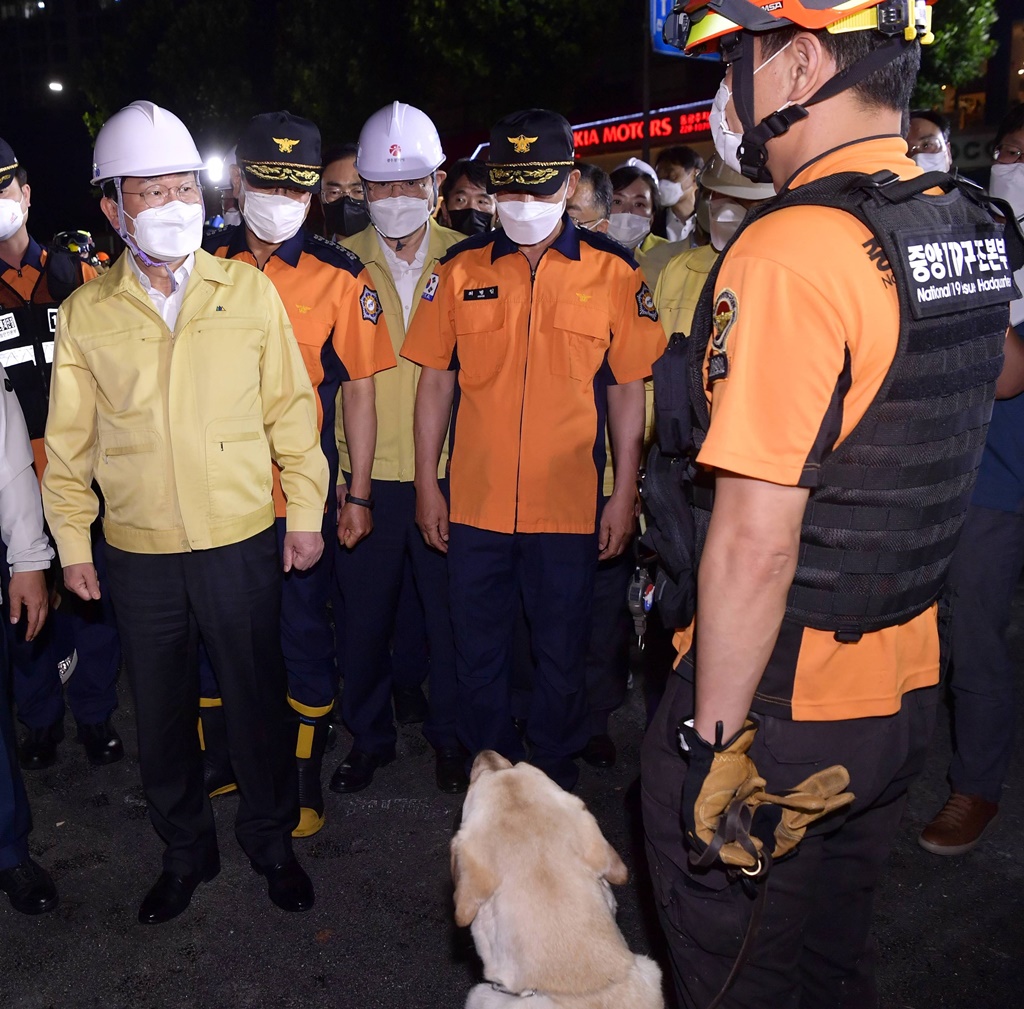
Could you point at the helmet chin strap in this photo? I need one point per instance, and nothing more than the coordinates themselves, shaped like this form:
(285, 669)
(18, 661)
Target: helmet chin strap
(753, 154)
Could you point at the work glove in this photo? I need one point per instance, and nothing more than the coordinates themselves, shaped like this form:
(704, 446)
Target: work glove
(728, 816)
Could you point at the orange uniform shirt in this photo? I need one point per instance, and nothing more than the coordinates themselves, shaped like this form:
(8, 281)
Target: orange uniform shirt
(336, 315)
(807, 293)
(534, 354)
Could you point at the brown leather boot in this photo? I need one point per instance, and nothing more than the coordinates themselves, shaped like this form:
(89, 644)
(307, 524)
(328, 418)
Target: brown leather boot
(958, 826)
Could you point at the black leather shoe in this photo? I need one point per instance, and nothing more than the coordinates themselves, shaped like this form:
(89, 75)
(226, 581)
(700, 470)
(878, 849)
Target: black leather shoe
(410, 706)
(38, 749)
(171, 894)
(29, 887)
(102, 743)
(287, 884)
(451, 769)
(355, 772)
(599, 751)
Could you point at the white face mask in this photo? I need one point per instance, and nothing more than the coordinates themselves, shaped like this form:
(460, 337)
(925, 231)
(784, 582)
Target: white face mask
(932, 161)
(528, 222)
(629, 229)
(12, 217)
(727, 142)
(399, 216)
(169, 232)
(272, 218)
(233, 216)
(726, 216)
(1007, 183)
(669, 192)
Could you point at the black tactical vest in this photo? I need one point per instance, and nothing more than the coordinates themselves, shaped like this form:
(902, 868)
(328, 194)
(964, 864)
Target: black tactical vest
(27, 329)
(880, 527)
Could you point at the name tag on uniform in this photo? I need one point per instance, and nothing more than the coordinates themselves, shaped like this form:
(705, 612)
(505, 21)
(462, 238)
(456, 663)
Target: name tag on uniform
(956, 270)
(480, 294)
(8, 327)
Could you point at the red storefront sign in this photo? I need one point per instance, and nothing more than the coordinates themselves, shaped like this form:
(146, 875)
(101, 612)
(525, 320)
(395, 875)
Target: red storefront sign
(683, 125)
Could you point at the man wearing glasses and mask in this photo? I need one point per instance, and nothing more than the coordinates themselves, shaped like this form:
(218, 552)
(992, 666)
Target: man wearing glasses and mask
(176, 380)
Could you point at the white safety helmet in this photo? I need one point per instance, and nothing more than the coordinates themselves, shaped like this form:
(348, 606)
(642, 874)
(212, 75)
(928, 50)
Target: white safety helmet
(143, 140)
(640, 166)
(398, 142)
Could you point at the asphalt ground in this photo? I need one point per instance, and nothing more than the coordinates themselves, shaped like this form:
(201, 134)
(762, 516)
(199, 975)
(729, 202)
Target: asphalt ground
(949, 931)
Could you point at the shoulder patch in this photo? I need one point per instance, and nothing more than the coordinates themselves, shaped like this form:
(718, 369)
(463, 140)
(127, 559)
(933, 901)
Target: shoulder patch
(726, 309)
(645, 307)
(369, 304)
(431, 289)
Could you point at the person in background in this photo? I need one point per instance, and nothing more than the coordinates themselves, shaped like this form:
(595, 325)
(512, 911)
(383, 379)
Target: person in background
(79, 644)
(983, 578)
(466, 206)
(590, 206)
(725, 198)
(27, 884)
(677, 168)
(342, 200)
(634, 204)
(928, 141)
(334, 315)
(399, 162)
(176, 379)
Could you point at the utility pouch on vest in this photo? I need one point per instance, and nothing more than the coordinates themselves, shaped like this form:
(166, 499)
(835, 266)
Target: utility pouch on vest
(666, 488)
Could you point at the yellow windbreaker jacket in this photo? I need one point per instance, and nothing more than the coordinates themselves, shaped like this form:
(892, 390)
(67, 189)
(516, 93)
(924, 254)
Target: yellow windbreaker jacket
(178, 429)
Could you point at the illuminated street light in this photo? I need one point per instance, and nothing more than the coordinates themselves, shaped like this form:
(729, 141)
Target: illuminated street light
(54, 85)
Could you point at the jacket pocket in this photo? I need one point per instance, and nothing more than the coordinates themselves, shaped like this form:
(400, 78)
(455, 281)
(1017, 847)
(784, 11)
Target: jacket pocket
(581, 340)
(130, 469)
(482, 343)
(238, 466)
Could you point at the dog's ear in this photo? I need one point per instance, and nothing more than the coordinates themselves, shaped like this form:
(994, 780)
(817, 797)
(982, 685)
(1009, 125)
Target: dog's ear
(473, 883)
(599, 855)
(488, 760)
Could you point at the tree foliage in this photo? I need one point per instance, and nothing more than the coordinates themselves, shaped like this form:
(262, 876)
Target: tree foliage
(961, 47)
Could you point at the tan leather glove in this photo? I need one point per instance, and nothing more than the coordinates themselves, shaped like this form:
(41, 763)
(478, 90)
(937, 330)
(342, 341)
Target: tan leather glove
(728, 815)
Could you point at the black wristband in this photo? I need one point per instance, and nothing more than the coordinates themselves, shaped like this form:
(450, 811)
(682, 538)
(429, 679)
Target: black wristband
(363, 502)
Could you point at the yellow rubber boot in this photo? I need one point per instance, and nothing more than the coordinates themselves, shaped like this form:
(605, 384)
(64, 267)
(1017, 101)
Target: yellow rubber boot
(213, 740)
(314, 725)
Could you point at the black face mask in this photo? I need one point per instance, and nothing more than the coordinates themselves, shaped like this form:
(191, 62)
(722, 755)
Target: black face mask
(346, 217)
(469, 221)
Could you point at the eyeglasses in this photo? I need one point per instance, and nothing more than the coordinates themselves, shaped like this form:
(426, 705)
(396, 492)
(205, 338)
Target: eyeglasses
(929, 145)
(407, 187)
(1007, 155)
(332, 191)
(156, 195)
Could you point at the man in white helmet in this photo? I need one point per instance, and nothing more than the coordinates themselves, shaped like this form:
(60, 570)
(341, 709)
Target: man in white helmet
(176, 380)
(398, 159)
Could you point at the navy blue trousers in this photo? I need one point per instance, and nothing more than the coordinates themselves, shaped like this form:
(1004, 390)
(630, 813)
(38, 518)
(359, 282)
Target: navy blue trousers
(553, 574)
(89, 628)
(982, 580)
(307, 639)
(15, 818)
(369, 580)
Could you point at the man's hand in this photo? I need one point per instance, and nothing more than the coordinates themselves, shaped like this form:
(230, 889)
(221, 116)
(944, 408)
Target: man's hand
(432, 516)
(618, 524)
(302, 550)
(81, 579)
(355, 523)
(28, 589)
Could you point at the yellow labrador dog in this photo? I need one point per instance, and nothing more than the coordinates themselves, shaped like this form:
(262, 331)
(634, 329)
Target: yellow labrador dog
(532, 872)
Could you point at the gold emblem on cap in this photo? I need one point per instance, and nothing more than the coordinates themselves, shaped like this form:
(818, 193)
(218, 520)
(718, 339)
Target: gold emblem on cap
(283, 145)
(521, 144)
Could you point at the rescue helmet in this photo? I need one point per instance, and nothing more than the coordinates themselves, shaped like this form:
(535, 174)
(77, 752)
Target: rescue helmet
(698, 26)
(398, 142)
(144, 140)
(79, 242)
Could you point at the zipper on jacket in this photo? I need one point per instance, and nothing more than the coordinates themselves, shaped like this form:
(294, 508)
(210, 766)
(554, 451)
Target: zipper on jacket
(526, 363)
